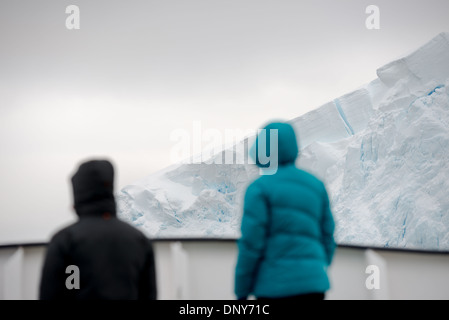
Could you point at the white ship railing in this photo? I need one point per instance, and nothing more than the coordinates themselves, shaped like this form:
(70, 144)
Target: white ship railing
(195, 269)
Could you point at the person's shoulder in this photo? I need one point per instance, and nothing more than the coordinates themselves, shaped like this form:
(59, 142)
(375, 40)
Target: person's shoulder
(134, 235)
(63, 232)
(130, 229)
(62, 237)
(309, 175)
(312, 179)
(257, 184)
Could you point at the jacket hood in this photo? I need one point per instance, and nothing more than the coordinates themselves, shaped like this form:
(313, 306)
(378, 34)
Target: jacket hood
(285, 140)
(93, 185)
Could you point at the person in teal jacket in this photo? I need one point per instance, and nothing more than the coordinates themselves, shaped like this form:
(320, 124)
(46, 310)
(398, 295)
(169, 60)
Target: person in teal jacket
(287, 229)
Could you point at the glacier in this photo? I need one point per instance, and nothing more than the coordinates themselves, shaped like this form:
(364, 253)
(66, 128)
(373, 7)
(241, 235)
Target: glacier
(382, 151)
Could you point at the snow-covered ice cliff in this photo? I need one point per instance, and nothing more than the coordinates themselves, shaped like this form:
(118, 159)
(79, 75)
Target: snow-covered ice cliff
(382, 150)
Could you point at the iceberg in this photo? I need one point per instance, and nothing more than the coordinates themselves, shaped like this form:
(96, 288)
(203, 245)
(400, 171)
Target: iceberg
(382, 151)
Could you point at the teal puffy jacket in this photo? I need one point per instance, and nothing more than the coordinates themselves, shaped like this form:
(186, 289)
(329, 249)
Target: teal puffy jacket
(287, 229)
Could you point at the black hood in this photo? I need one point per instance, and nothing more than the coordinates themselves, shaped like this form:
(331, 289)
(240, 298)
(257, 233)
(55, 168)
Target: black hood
(93, 186)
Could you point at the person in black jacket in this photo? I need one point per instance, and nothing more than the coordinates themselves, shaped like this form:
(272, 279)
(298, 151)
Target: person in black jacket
(111, 259)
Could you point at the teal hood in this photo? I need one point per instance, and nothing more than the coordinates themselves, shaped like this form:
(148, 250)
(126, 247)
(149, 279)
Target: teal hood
(278, 137)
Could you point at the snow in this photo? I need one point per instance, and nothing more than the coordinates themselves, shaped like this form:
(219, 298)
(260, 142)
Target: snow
(382, 151)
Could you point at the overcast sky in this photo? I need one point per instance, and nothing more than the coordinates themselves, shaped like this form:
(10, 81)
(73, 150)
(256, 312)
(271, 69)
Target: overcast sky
(136, 71)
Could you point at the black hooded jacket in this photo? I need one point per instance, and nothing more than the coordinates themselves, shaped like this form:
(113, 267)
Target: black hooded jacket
(115, 260)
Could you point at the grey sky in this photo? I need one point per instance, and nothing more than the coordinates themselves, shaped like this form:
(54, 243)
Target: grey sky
(137, 70)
